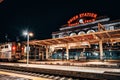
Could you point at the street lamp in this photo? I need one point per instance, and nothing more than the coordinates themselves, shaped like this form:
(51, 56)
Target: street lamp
(28, 34)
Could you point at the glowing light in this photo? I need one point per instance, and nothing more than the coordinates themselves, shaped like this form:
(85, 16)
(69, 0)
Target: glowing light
(1, 1)
(85, 43)
(82, 19)
(30, 34)
(22, 48)
(81, 33)
(13, 47)
(95, 53)
(25, 33)
(90, 31)
(72, 34)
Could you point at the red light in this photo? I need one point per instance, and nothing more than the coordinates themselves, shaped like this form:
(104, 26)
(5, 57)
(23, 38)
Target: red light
(22, 48)
(13, 47)
(1, 1)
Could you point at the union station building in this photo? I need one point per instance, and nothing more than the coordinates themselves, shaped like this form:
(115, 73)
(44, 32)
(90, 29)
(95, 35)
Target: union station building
(86, 36)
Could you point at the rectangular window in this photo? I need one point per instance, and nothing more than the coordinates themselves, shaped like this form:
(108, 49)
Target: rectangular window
(6, 46)
(111, 27)
(2, 47)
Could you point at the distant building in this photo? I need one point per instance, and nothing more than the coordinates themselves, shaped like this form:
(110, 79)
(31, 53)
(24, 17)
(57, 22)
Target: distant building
(85, 36)
(85, 23)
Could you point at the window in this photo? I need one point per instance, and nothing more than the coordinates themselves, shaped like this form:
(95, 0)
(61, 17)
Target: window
(6, 46)
(81, 33)
(111, 27)
(72, 34)
(2, 47)
(56, 36)
(90, 31)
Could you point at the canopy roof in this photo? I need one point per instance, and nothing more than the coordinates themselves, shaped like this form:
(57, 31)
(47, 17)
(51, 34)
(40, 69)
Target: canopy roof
(105, 36)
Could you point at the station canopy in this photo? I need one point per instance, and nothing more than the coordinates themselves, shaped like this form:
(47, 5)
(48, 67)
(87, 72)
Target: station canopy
(92, 38)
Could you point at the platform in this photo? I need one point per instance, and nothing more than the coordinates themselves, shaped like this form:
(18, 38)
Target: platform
(72, 71)
(99, 64)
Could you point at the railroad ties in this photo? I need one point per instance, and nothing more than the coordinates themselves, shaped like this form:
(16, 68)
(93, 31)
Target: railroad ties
(7, 77)
(53, 77)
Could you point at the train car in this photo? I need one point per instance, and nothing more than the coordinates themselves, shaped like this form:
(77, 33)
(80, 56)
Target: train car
(11, 51)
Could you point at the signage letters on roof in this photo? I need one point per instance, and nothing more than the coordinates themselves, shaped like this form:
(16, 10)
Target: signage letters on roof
(82, 19)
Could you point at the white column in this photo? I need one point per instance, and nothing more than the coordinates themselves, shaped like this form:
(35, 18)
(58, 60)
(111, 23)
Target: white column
(101, 49)
(67, 51)
(35, 54)
(46, 52)
(53, 36)
(42, 55)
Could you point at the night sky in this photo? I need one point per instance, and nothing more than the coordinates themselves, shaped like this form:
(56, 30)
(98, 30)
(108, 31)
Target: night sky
(44, 17)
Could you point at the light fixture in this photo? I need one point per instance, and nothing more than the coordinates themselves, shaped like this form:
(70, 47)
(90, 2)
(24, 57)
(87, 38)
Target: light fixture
(28, 34)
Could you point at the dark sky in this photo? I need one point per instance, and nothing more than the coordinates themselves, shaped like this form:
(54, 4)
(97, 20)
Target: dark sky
(45, 17)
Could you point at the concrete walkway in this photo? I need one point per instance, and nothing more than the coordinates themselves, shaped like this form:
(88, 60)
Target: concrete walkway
(77, 63)
(66, 68)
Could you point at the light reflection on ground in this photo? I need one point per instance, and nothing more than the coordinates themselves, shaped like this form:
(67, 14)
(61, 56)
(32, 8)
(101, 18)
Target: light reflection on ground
(13, 76)
(8, 77)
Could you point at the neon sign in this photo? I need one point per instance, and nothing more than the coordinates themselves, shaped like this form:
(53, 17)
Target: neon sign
(1, 1)
(82, 19)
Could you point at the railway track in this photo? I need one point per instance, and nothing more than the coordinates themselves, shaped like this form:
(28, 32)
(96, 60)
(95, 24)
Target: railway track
(55, 72)
(8, 77)
(52, 77)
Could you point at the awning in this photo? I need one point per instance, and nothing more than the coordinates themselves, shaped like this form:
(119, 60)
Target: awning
(105, 36)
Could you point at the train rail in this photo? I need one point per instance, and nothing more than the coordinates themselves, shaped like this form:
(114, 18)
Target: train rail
(47, 76)
(8, 77)
(68, 72)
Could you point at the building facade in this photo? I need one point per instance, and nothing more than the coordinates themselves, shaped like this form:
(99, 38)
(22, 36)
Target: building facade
(87, 23)
(82, 27)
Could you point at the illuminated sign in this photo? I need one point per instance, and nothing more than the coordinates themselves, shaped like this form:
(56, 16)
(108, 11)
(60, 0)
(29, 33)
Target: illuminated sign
(82, 19)
(1, 1)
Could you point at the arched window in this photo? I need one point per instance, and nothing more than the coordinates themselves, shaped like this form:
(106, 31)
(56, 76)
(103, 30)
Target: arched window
(65, 34)
(90, 31)
(81, 33)
(72, 34)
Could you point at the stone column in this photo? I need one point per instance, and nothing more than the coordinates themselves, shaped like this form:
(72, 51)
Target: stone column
(101, 49)
(47, 52)
(67, 51)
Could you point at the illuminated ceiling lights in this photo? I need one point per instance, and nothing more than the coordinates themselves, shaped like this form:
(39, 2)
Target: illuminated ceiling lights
(85, 43)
